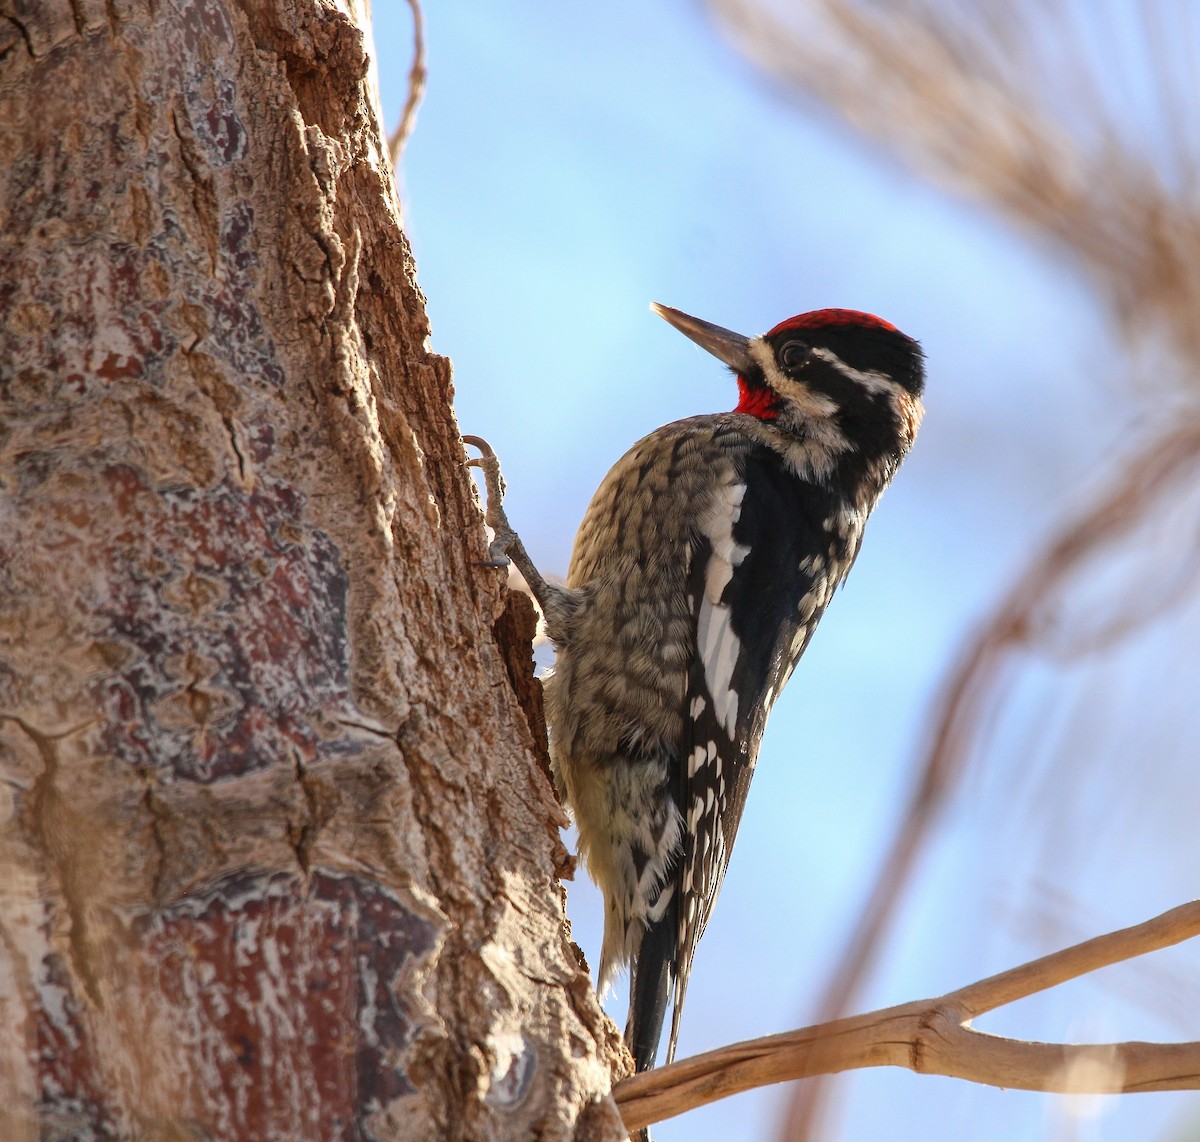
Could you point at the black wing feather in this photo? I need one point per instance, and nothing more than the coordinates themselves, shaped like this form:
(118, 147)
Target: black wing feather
(781, 525)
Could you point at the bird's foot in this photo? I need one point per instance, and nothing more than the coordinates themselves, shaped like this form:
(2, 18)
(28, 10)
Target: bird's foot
(494, 516)
(506, 547)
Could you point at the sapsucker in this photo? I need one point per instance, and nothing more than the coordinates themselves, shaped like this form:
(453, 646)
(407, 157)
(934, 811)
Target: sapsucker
(702, 566)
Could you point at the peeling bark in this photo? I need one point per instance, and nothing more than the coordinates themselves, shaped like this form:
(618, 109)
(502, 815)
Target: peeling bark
(277, 857)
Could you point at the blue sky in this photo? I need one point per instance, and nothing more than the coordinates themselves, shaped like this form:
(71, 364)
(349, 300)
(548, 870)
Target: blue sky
(570, 165)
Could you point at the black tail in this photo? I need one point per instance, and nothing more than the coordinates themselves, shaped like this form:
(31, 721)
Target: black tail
(650, 987)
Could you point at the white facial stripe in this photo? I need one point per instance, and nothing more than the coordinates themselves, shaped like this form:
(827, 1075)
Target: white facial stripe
(872, 381)
(810, 416)
(808, 403)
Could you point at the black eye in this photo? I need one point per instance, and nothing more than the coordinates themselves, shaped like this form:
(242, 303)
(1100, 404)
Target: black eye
(793, 354)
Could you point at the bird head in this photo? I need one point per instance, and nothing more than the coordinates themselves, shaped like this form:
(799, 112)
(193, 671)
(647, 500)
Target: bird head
(837, 368)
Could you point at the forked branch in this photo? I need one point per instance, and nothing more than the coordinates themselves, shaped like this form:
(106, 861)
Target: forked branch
(934, 1036)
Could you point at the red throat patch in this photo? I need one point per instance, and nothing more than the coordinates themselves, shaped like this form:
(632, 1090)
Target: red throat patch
(760, 402)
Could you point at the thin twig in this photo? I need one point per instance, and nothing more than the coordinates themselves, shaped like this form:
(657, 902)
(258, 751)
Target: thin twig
(416, 88)
(934, 1036)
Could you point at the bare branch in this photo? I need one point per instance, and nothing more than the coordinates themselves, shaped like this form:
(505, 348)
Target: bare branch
(934, 1036)
(416, 88)
(977, 685)
(1173, 927)
(1042, 111)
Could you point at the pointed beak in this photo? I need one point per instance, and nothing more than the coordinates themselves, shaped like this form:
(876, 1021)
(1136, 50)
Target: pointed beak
(724, 344)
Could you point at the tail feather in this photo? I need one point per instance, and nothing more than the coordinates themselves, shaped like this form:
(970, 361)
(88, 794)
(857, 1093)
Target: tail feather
(651, 985)
(680, 991)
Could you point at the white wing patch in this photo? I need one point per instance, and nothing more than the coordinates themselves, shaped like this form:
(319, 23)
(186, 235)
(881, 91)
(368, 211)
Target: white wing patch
(716, 642)
(701, 757)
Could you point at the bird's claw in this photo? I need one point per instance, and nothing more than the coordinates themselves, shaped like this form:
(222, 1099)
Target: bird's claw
(489, 464)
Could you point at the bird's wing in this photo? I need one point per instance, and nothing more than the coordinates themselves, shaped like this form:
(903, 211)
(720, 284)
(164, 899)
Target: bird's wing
(757, 586)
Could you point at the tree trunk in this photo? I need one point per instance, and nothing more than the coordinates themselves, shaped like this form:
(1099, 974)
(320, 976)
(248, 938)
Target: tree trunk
(277, 859)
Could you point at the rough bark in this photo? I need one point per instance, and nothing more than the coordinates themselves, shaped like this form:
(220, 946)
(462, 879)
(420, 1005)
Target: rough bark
(277, 859)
